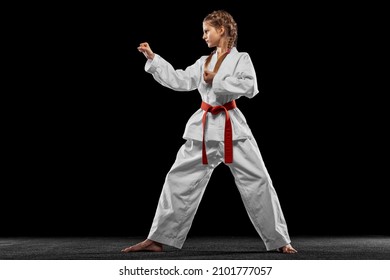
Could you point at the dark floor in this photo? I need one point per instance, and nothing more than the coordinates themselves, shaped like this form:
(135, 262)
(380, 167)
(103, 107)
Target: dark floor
(195, 248)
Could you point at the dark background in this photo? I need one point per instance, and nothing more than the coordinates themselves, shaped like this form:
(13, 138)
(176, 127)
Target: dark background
(89, 135)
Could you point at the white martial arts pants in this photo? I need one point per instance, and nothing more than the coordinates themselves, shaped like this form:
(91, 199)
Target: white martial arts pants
(186, 182)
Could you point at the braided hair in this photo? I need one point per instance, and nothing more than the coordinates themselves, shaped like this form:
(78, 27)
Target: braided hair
(218, 19)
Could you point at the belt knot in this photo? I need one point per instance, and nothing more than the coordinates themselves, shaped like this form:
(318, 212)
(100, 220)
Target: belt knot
(228, 128)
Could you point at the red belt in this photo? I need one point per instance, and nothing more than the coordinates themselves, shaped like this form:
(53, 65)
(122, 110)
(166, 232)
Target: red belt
(228, 128)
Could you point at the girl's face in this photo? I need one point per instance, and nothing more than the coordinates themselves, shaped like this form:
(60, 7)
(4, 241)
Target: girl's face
(212, 35)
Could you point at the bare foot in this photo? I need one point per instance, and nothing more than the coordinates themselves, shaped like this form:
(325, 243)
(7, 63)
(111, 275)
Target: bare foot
(287, 249)
(146, 245)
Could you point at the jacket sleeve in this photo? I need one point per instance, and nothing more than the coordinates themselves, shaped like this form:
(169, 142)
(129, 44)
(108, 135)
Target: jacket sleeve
(241, 81)
(179, 80)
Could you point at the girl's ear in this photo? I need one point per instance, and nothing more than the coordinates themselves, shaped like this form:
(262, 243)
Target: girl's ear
(221, 30)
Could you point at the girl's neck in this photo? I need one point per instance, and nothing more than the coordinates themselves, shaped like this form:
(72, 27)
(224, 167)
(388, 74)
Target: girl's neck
(221, 50)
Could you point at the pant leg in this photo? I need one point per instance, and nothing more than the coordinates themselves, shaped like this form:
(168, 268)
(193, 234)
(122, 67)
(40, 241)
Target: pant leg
(182, 192)
(258, 194)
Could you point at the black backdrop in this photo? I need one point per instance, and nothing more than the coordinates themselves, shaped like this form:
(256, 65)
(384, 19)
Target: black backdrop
(92, 136)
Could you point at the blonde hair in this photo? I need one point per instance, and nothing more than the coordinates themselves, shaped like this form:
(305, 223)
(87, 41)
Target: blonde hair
(221, 18)
(218, 19)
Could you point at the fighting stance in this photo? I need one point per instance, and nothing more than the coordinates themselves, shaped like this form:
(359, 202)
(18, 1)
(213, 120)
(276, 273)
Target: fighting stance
(217, 132)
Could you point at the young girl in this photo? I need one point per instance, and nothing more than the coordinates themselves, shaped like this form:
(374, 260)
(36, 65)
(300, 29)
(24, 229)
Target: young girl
(217, 132)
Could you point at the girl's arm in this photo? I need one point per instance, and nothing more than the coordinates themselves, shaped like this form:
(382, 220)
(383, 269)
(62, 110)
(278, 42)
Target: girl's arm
(179, 80)
(243, 81)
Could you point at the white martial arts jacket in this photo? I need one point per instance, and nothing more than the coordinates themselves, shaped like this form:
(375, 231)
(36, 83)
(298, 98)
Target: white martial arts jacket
(236, 77)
